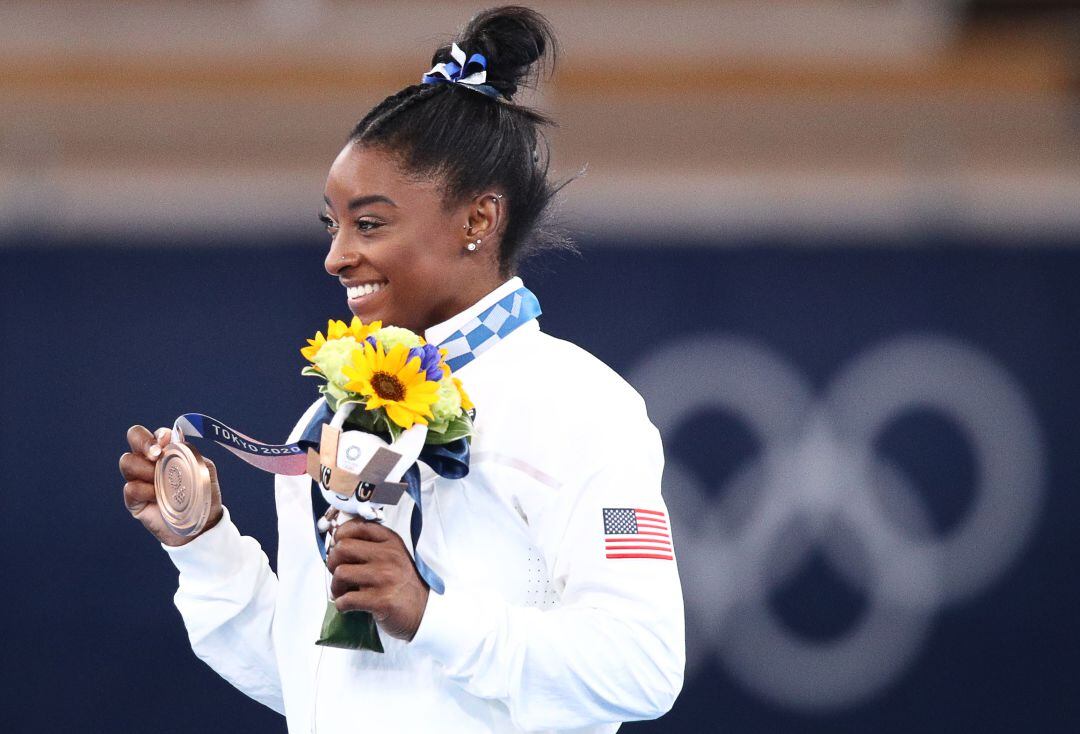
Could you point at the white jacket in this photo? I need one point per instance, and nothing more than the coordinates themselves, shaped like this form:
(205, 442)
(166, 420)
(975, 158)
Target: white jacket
(540, 629)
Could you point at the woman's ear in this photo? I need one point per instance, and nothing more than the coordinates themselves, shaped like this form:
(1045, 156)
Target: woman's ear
(486, 214)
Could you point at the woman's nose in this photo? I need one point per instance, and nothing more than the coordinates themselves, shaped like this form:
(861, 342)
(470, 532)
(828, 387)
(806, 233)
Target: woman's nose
(338, 257)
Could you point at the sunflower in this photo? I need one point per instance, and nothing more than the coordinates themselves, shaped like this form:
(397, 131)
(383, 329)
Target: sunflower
(393, 381)
(336, 329)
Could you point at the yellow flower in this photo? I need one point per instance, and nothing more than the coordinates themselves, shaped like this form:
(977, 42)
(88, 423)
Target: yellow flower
(442, 364)
(313, 347)
(465, 402)
(361, 332)
(392, 381)
(336, 329)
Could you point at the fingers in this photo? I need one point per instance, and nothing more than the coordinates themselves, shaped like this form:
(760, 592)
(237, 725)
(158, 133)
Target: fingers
(365, 600)
(162, 436)
(138, 464)
(351, 550)
(136, 467)
(364, 530)
(137, 495)
(143, 442)
(353, 576)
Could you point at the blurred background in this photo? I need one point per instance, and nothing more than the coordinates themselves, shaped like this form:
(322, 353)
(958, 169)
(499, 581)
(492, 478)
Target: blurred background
(834, 243)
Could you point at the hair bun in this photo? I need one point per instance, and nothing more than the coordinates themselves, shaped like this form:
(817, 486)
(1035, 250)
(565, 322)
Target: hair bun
(513, 39)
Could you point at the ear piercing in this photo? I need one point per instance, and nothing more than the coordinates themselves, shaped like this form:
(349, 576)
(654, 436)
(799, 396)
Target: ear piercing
(471, 247)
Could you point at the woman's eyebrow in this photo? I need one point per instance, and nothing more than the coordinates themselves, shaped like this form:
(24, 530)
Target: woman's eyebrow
(360, 201)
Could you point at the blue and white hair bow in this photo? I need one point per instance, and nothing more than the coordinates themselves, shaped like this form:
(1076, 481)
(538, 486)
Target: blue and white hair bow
(471, 73)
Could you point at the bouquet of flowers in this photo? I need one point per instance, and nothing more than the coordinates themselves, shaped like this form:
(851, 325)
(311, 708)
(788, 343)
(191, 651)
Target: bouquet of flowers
(391, 394)
(398, 379)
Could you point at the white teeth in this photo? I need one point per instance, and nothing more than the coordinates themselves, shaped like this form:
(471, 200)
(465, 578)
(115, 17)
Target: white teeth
(364, 289)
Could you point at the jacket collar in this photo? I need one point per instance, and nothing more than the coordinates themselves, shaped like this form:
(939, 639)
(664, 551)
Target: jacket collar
(439, 333)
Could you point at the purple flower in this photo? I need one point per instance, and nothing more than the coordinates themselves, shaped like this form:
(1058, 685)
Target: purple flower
(429, 361)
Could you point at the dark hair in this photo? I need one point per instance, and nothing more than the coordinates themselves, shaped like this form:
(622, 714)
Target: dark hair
(476, 142)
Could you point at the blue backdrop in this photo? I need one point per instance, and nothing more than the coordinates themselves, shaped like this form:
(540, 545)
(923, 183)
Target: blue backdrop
(846, 570)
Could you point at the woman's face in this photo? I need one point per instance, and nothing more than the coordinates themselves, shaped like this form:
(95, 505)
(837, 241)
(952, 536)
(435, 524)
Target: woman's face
(401, 257)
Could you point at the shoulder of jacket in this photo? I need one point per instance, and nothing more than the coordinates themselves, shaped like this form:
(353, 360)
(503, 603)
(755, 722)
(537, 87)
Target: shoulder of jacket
(567, 366)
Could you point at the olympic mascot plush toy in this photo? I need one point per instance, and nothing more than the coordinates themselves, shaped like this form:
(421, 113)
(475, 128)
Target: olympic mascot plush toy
(358, 473)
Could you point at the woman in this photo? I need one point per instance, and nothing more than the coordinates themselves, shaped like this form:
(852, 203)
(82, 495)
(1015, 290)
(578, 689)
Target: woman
(562, 608)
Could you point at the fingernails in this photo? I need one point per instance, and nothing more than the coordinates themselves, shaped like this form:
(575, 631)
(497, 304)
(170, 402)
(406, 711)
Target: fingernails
(160, 432)
(155, 451)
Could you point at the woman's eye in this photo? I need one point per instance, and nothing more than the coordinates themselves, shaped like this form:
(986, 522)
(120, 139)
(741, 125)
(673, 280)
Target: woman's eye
(363, 225)
(330, 225)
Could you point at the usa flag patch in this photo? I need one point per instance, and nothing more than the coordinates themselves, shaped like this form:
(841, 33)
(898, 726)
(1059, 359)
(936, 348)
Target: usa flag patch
(635, 533)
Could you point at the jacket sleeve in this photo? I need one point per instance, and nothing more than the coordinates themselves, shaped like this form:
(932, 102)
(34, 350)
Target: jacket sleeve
(614, 648)
(226, 597)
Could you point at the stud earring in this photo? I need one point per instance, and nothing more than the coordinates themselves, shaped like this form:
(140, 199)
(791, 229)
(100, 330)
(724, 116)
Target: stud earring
(471, 247)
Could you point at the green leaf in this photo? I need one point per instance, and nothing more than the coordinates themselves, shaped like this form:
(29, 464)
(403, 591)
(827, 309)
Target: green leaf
(438, 427)
(349, 630)
(368, 421)
(310, 371)
(460, 427)
(358, 402)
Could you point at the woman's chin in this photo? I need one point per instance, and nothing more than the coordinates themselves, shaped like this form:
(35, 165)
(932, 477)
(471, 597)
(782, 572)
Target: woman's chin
(368, 308)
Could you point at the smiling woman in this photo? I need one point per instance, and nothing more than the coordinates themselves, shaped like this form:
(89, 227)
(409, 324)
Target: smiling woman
(439, 194)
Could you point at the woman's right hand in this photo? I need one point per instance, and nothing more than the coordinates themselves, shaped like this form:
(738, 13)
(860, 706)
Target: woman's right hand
(137, 468)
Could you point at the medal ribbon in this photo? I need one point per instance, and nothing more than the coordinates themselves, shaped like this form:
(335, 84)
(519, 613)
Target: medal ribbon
(494, 324)
(288, 459)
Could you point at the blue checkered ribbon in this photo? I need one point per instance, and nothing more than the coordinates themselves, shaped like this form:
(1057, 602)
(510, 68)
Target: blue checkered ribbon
(490, 327)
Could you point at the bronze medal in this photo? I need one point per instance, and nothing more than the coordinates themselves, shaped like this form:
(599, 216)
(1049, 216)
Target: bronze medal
(182, 485)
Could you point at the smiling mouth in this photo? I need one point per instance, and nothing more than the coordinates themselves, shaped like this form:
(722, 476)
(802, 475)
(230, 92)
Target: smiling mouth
(364, 289)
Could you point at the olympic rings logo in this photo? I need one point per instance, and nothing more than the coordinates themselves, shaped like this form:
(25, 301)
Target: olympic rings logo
(817, 483)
